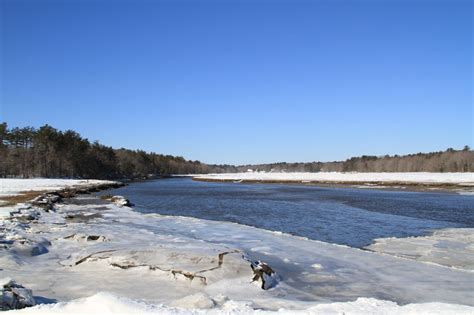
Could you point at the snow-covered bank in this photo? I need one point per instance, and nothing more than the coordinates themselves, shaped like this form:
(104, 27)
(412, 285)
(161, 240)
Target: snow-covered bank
(106, 303)
(14, 186)
(28, 189)
(448, 247)
(459, 179)
(86, 245)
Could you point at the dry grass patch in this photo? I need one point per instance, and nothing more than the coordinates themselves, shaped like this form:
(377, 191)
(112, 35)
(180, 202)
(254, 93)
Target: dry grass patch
(22, 197)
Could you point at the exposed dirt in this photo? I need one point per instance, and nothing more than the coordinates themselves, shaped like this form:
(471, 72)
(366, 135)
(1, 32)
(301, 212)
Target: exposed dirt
(22, 197)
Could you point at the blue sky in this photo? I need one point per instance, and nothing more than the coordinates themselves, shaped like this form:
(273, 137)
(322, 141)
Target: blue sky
(243, 81)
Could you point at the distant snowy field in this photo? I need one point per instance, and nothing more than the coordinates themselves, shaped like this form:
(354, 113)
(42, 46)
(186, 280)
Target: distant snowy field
(13, 186)
(55, 258)
(432, 178)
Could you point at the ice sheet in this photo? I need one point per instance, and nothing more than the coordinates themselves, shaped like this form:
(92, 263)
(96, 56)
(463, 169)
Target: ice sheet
(448, 247)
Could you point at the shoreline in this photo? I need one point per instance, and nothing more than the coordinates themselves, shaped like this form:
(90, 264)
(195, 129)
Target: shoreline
(29, 196)
(415, 186)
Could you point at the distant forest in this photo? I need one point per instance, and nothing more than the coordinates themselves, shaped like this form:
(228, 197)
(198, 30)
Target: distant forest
(450, 160)
(48, 152)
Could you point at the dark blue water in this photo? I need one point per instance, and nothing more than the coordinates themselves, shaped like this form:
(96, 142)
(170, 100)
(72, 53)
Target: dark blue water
(353, 217)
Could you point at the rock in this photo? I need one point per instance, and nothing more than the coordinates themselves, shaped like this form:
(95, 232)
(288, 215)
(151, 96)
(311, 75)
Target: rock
(14, 296)
(82, 217)
(30, 247)
(25, 214)
(46, 201)
(121, 201)
(87, 238)
(263, 272)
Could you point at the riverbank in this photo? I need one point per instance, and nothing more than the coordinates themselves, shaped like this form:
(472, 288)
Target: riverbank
(454, 182)
(86, 245)
(13, 191)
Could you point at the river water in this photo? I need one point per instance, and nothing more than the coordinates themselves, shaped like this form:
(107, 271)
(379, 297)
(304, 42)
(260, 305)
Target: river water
(346, 216)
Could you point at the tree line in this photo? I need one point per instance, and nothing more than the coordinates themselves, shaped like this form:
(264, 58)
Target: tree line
(48, 152)
(450, 160)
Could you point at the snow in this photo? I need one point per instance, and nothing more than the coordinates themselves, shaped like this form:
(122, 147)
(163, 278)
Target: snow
(93, 256)
(10, 186)
(106, 303)
(5, 211)
(466, 193)
(466, 179)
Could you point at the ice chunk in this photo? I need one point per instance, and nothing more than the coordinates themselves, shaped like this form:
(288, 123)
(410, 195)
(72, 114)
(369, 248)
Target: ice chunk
(14, 296)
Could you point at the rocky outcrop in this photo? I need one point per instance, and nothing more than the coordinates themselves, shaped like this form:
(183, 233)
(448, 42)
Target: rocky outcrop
(81, 217)
(14, 296)
(15, 232)
(203, 268)
(118, 200)
(265, 274)
(25, 214)
(121, 201)
(72, 192)
(79, 237)
(30, 247)
(15, 236)
(46, 201)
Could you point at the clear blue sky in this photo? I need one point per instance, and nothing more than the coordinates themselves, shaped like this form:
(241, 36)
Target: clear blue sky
(243, 81)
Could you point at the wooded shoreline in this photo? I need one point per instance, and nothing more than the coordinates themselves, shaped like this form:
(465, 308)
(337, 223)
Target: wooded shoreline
(50, 153)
